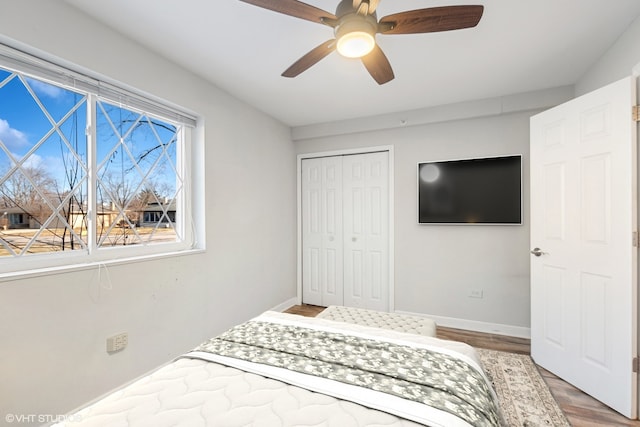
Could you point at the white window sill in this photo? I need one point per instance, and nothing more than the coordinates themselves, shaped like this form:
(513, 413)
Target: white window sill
(47, 271)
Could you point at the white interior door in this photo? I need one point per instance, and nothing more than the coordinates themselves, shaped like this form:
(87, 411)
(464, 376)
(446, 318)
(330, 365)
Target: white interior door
(366, 235)
(583, 218)
(345, 230)
(322, 248)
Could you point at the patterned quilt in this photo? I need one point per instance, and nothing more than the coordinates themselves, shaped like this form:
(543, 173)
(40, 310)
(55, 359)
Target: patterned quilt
(418, 381)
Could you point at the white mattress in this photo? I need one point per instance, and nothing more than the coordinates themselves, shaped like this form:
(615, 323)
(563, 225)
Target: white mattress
(193, 392)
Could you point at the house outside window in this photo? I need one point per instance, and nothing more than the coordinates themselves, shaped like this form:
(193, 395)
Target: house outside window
(81, 172)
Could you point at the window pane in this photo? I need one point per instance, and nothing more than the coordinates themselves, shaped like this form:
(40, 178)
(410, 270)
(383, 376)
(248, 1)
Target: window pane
(43, 172)
(137, 178)
(48, 199)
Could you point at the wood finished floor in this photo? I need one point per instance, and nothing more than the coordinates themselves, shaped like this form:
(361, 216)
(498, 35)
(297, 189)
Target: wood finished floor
(581, 409)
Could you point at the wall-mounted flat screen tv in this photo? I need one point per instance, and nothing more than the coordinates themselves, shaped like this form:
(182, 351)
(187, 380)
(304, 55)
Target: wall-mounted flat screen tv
(471, 191)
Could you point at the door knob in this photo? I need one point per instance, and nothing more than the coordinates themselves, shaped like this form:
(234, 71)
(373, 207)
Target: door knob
(537, 252)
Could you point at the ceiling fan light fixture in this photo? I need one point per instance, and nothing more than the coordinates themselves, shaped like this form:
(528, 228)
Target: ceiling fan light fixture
(355, 38)
(355, 44)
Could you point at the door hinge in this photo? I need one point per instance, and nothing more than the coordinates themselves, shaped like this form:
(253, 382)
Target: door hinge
(635, 364)
(635, 113)
(635, 239)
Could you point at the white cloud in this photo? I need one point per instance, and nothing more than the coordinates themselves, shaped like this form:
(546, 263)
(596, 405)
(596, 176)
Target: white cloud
(34, 161)
(45, 89)
(10, 137)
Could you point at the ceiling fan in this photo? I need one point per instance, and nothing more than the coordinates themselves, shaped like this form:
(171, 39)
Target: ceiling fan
(355, 25)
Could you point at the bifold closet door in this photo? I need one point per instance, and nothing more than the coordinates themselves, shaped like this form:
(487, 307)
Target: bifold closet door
(322, 255)
(366, 230)
(345, 231)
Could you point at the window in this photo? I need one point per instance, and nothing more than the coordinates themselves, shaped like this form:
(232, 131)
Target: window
(16, 219)
(87, 174)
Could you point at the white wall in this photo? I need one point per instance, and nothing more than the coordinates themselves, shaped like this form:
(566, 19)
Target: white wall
(53, 328)
(615, 64)
(437, 266)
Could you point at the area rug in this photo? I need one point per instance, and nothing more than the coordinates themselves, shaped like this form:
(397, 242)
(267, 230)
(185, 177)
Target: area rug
(525, 398)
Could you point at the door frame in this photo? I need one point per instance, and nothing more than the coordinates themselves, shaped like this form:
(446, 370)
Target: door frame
(346, 152)
(635, 73)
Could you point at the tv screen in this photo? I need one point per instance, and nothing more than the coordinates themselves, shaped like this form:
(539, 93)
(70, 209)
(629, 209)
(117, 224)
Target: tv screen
(471, 191)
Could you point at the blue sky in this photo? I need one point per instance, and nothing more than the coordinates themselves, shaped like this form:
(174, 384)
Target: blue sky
(23, 124)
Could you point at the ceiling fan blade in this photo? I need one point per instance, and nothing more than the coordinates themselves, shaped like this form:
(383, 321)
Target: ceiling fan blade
(378, 66)
(294, 8)
(311, 58)
(431, 20)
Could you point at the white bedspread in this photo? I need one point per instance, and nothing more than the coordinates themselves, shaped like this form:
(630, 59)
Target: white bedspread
(404, 408)
(193, 392)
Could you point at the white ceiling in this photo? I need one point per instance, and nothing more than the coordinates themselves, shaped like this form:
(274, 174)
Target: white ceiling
(518, 46)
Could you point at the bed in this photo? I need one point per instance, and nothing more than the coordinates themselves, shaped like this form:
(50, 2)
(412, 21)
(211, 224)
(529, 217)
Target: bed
(281, 369)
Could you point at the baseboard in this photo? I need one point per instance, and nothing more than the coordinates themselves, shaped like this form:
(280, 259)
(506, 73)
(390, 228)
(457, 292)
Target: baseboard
(284, 305)
(476, 326)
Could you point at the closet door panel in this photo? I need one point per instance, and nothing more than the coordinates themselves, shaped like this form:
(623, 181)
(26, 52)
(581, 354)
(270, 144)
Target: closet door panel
(331, 215)
(366, 268)
(322, 254)
(311, 231)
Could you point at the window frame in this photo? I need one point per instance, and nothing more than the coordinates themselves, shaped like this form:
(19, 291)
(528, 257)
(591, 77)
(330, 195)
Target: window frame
(100, 89)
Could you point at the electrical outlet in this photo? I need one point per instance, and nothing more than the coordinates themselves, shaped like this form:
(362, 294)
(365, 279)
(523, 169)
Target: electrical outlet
(475, 293)
(117, 342)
